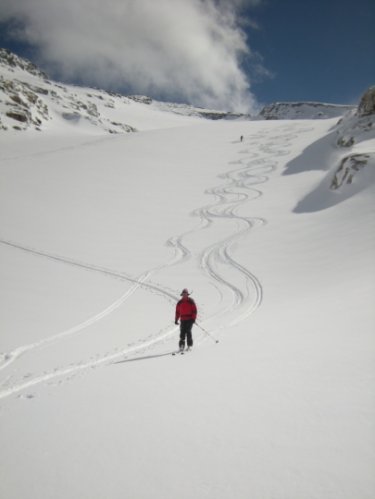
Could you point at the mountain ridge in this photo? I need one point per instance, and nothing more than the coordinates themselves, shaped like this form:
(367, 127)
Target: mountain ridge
(304, 110)
(30, 100)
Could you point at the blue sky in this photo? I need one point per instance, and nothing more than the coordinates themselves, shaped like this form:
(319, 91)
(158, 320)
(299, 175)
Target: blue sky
(321, 50)
(196, 50)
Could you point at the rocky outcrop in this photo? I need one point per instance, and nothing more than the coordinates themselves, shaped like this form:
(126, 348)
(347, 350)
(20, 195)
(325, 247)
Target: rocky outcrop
(143, 99)
(355, 127)
(23, 105)
(349, 166)
(358, 124)
(13, 62)
(367, 104)
(29, 100)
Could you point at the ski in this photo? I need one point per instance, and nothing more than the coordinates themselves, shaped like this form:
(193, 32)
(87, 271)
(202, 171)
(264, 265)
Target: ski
(181, 352)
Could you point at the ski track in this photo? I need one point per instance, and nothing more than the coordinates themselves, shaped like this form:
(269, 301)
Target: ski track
(37, 154)
(15, 354)
(239, 187)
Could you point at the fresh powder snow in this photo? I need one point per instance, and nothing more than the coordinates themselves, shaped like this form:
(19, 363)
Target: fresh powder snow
(99, 233)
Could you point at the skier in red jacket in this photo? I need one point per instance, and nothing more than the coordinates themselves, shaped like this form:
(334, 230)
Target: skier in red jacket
(186, 311)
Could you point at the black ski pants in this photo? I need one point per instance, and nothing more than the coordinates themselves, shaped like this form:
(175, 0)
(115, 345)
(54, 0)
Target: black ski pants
(185, 333)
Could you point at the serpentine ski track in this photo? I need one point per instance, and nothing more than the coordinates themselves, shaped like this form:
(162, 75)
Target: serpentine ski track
(240, 291)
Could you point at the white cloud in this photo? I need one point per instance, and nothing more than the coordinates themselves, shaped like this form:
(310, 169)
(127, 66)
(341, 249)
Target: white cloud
(178, 49)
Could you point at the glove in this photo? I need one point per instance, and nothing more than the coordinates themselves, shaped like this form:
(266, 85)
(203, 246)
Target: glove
(176, 322)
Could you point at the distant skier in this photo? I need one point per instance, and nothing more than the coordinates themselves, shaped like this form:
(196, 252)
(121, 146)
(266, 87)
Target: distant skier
(241, 138)
(186, 311)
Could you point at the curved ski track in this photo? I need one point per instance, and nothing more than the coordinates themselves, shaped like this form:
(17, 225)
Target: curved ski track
(237, 189)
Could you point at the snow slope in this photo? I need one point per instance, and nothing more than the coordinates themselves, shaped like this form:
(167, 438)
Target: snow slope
(99, 234)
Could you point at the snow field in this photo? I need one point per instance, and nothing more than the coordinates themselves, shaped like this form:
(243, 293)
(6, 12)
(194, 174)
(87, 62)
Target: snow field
(99, 238)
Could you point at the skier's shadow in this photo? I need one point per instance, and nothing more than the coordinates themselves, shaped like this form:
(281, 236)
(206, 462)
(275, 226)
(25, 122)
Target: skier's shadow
(147, 357)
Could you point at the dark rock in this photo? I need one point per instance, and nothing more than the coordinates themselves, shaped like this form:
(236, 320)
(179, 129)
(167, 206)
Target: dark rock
(367, 103)
(17, 115)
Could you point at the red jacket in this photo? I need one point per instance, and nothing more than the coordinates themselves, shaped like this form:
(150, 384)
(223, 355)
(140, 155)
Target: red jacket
(186, 310)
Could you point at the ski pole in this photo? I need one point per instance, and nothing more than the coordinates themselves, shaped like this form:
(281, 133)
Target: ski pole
(208, 334)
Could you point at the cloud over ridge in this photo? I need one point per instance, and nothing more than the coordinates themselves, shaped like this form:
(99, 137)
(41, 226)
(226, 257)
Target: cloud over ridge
(188, 50)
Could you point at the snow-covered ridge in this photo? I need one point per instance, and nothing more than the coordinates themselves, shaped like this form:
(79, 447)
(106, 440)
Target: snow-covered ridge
(188, 110)
(13, 61)
(303, 110)
(211, 114)
(30, 100)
